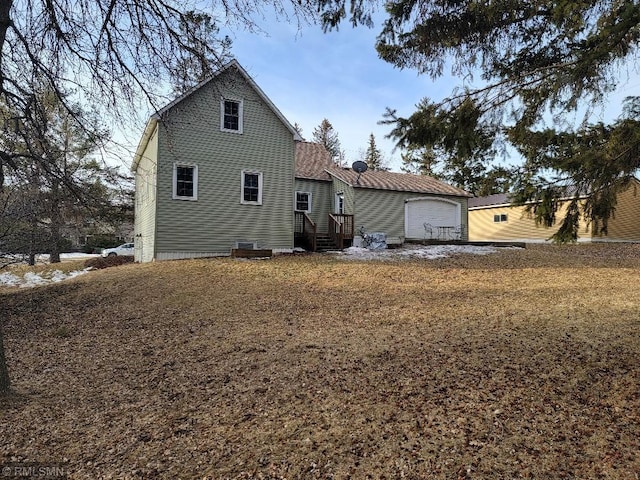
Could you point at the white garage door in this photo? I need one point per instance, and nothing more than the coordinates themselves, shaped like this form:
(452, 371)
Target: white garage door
(437, 212)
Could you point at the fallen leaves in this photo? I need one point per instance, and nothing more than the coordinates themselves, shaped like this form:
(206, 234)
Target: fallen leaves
(519, 364)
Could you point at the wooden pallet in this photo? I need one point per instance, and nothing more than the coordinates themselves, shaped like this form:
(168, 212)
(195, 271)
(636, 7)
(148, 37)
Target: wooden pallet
(250, 253)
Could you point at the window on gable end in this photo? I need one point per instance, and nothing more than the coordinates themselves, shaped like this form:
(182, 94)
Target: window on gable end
(231, 115)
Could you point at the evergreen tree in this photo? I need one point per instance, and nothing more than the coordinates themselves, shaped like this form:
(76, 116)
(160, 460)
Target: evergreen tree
(373, 156)
(327, 136)
(58, 175)
(540, 62)
(419, 161)
(495, 180)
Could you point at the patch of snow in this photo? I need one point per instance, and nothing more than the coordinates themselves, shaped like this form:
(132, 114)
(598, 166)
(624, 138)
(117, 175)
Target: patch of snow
(31, 279)
(44, 257)
(427, 252)
(9, 279)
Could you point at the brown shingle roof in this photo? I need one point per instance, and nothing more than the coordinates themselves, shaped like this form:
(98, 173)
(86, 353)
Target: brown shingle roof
(402, 182)
(495, 199)
(312, 160)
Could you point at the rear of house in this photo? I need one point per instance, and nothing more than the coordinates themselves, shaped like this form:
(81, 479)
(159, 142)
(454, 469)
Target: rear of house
(221, 168)
(398, 205)
(214, 171)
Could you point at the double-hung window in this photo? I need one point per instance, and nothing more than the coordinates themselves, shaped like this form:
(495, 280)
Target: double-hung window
(231, 115)
(251, 193)
(185, 182)
(303, 202)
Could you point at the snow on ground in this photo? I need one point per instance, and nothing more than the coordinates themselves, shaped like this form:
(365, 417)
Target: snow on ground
(44, 258)
(415, 251)
(31, 279)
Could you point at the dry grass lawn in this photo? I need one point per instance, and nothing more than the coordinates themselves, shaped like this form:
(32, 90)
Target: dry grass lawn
(519, 364)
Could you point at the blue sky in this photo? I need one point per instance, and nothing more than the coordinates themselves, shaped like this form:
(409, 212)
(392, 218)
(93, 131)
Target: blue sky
(311, 75)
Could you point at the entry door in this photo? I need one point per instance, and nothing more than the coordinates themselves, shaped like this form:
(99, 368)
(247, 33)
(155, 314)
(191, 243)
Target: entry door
(339, 203)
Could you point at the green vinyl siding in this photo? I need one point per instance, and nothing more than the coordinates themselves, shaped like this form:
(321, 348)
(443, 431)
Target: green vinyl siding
(321, 200)
(384, 210)
(145, 206)
(190, 134)
(347, 190)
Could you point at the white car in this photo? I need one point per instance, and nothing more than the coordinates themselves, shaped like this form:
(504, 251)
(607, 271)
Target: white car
(126, 250)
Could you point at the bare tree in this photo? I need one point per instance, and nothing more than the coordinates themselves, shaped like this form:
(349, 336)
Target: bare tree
(108, 53)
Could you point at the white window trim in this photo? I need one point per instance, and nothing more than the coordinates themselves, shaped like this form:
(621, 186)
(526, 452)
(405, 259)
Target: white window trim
(338, 202)
(242, 200)
(295, 201)
(240, 115)
(175, 181)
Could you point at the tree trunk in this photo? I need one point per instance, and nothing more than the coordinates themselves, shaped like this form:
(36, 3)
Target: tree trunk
(55, 225)
(5, 23)
(4, 372)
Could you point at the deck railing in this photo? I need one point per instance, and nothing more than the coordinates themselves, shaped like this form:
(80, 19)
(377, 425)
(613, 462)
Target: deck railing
(306, 228)
(340, 228)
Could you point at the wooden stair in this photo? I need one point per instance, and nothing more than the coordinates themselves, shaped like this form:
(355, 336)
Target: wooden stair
(325, 243)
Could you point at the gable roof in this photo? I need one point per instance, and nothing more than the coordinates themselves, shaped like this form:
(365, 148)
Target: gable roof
(233, 64)
(401, 182)
(312, 161)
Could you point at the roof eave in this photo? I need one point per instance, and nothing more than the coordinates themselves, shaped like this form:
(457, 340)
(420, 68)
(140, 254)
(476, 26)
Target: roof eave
(144, 141)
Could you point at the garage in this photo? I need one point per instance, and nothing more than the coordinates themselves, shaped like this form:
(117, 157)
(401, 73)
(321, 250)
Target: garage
(441, 215)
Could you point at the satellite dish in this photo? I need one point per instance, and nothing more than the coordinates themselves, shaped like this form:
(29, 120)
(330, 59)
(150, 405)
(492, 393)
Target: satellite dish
(359, 166)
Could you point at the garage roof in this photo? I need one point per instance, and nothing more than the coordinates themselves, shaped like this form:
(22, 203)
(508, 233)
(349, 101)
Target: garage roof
(402, 182)
(314, 162)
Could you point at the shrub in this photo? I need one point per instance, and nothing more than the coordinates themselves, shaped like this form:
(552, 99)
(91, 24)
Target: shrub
(106, 262)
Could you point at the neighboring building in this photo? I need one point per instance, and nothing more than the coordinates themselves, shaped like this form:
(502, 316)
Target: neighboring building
(221, 168)
(83, 233)
(493, 218)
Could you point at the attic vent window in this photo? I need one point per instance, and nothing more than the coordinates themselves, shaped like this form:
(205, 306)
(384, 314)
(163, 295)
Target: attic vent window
(231, 115)
(500, 218)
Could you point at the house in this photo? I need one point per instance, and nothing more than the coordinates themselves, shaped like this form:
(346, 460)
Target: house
(493, 218)
(221, 168)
